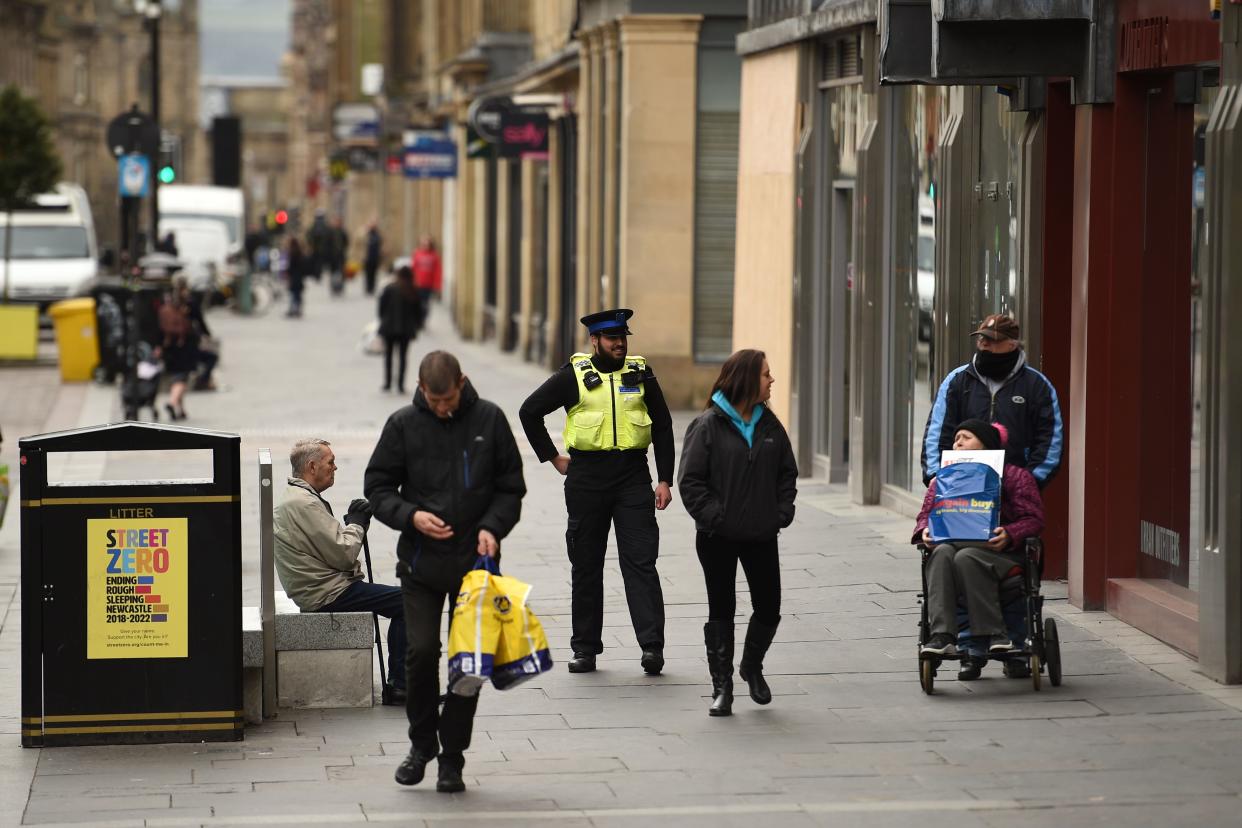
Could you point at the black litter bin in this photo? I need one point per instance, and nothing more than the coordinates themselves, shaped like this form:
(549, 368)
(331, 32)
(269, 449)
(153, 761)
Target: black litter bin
(131, 595)
(118, 304)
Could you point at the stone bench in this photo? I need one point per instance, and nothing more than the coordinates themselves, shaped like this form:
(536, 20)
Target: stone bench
(323, 659)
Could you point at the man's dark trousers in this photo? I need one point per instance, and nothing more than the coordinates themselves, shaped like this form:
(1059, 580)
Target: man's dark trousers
(361, 596)
(631, 510)
(424, 615)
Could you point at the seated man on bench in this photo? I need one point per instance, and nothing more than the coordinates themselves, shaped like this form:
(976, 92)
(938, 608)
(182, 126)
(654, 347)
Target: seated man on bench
(317, 557)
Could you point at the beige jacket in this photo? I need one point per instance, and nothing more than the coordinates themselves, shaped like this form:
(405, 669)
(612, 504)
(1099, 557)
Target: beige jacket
(316, 557)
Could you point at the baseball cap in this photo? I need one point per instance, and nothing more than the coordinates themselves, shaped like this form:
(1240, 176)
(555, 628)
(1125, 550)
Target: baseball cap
(997, 326)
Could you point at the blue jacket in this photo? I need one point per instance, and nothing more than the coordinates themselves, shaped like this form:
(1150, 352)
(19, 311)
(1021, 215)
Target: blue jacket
(1026, 404)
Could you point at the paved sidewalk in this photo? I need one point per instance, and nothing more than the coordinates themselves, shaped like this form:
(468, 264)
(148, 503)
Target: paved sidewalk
(1134, 735)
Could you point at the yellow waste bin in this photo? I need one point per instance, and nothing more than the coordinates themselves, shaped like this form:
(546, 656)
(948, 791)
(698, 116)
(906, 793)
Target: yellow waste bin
(76, 338)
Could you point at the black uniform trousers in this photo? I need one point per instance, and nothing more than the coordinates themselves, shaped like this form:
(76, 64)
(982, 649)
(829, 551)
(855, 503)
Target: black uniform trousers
(432, 731)
(631, 509)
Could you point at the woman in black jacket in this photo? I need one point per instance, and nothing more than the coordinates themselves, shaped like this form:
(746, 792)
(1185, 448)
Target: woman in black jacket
(400, 315)
(738, 480)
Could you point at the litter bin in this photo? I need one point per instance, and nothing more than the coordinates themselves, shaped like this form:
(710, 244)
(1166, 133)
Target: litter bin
(126, 313)
(77, 338)
(131, 592)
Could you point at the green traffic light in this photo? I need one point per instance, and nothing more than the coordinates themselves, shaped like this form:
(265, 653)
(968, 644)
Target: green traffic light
(167, 175)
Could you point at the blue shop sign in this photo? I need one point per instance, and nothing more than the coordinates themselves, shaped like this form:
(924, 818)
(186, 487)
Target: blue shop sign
(430, 155)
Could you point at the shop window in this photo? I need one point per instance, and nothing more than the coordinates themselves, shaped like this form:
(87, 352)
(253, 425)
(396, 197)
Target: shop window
(918, 114)
(998, 270)
(1199, 271)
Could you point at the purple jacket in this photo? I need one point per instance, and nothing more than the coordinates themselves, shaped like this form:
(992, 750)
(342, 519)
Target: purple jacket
(1022, 509)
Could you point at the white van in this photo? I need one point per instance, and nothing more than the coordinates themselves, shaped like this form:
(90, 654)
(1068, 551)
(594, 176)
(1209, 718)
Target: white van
(203, 248)
(223, 204)
(54, 254)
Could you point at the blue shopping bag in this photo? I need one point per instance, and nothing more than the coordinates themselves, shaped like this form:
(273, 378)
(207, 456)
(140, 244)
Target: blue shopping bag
(967, 503)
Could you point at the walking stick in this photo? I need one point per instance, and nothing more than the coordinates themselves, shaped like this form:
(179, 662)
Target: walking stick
(366, 550)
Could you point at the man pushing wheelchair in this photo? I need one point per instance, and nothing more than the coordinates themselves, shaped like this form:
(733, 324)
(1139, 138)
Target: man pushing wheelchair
(998, 385)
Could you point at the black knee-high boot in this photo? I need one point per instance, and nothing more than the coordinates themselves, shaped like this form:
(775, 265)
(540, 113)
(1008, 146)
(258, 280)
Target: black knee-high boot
(758, 639)
(718, 640)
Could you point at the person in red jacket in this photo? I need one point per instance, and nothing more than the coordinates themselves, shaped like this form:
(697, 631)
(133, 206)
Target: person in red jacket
(977, 570)
(425, 262)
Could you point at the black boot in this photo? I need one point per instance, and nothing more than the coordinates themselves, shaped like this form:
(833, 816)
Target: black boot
(758, 639)
(718, 640)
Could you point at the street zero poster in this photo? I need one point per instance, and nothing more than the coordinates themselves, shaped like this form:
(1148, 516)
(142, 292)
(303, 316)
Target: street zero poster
(136, 588)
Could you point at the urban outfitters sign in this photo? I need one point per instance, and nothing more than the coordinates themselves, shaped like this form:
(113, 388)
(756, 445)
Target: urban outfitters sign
(136, 588)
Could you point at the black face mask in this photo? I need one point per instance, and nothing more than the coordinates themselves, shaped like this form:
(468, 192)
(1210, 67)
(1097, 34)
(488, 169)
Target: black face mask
(996, 366)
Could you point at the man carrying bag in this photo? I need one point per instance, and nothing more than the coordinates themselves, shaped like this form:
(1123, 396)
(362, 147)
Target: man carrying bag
(447, 474)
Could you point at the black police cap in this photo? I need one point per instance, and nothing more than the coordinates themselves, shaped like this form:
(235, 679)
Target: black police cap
(611, 322)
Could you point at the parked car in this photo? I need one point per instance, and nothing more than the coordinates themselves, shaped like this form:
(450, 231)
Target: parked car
(54, 254)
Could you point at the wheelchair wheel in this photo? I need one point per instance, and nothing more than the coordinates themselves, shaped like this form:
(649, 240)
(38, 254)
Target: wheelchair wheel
(1052, 652)
(927, 675)
(1036, 678)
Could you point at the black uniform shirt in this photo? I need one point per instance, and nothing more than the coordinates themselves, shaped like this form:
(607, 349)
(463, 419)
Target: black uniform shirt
(600, 469)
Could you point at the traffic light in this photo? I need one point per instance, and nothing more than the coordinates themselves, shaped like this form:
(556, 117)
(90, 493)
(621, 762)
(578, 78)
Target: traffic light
(282, 218)
(168, 160)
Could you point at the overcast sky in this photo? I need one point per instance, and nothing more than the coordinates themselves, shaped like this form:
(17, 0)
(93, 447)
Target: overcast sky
(243, 38)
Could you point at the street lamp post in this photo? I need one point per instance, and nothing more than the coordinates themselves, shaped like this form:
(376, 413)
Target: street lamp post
(152, 10)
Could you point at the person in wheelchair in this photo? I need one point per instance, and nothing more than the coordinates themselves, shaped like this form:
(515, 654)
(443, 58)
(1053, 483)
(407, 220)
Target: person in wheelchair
(974, 571)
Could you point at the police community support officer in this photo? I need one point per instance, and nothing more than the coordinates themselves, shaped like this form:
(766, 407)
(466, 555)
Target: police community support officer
(615, 409)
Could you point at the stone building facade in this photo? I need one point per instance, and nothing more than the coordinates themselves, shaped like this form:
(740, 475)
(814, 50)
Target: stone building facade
(87, 61)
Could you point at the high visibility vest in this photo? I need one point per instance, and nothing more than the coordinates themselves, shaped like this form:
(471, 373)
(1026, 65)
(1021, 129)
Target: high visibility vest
(612, 415)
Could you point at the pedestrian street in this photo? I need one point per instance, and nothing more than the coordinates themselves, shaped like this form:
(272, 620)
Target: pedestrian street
(1134, 735)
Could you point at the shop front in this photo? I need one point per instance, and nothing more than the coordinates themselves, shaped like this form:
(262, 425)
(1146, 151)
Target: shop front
(1091, 220)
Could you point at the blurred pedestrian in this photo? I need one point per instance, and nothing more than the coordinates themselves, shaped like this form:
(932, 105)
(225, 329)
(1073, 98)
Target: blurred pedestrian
(400, 314)
(256, 240)
(206, 348)
(179, 347)
(319, 241)
(371, 262)
(298, 266)
(447, 474)
(738, 479)
(338, 248)
(167, 244)
(427, 272)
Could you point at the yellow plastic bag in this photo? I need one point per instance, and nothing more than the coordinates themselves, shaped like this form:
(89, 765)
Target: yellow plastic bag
(474, 633)
(522, 652)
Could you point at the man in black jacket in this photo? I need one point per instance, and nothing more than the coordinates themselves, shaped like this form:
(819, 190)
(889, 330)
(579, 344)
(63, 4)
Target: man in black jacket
(998, 386)
(447, 474)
